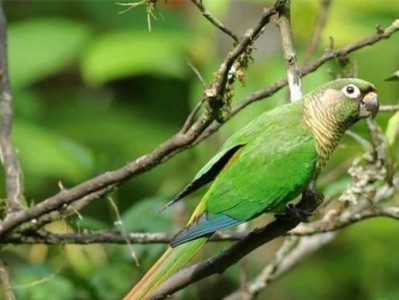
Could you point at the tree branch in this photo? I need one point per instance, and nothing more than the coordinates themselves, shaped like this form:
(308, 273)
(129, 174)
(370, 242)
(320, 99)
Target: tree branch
(389, 108)
(293, 251)
(342, 52)
(207, 15)
(5, 279)
(283, 22)
(327, 56)
(325, 226)
(318, 29)
(104, 237)
(7, 154)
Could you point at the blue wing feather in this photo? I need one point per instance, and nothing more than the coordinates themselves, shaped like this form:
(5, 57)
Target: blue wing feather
(205, 225)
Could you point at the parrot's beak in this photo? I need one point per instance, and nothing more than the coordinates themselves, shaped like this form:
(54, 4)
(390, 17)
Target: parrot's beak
(369, 105)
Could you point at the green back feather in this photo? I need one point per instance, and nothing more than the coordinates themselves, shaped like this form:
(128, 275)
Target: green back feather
(277, 161)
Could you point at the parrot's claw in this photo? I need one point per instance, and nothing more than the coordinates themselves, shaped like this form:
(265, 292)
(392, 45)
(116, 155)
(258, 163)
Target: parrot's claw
(299, 211)
(311, 194)
(293, 212)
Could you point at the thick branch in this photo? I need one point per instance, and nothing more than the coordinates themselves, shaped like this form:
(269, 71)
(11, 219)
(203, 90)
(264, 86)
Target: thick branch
(283, 22)
(7, 153)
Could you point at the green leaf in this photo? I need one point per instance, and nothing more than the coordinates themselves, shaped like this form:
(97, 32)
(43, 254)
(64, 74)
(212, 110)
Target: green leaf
(126, 53)
(110, 283)
(46, 154)
(392, 131)
(146, 216)
(39, 48)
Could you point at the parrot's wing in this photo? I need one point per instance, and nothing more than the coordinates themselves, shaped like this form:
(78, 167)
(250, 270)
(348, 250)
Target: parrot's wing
(266, 176)
(236, 142)
(207, 173)
(262, 178)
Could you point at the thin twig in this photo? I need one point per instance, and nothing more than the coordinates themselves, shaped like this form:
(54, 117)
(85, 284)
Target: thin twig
(218, 88)
(5, 280)
(191, 117)
(318, 29)
(65, 210)
(283, 22)
(105, 237)
(342, 52)
(198, 74)
(119, 223)
(213, 20)
(7, 154)
(378, 141)
(389, 108)
(343, 222)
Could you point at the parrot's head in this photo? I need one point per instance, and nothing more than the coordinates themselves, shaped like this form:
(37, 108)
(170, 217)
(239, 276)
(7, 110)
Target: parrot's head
(347, 100)
(334, 107)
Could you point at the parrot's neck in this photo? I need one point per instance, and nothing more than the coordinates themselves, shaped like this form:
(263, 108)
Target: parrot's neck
(325, 128)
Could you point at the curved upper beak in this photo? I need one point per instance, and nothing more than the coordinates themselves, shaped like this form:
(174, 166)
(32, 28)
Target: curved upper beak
(369, 105)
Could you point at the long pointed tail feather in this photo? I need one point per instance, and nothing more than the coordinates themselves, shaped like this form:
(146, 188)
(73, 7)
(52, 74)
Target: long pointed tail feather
(169, 263)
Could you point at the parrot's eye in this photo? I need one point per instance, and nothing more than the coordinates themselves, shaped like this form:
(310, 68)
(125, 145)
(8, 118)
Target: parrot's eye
(351, 91)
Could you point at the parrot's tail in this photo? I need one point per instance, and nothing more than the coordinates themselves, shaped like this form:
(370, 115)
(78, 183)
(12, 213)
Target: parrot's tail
(170, 262)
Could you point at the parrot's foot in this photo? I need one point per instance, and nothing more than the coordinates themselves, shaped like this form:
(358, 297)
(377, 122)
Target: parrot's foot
(293, 212)
(304, 209)
(310, 194)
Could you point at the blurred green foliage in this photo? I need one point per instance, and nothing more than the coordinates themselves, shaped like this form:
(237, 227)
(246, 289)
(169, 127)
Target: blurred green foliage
(93, 89)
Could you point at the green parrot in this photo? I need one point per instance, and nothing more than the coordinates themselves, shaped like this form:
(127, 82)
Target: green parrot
(262, 167)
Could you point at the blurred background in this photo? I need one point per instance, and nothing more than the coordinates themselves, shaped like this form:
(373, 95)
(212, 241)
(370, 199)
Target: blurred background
(94, 89)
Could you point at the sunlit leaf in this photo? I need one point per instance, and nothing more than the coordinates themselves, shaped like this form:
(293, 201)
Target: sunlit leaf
(392, 131)
(120, 54)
